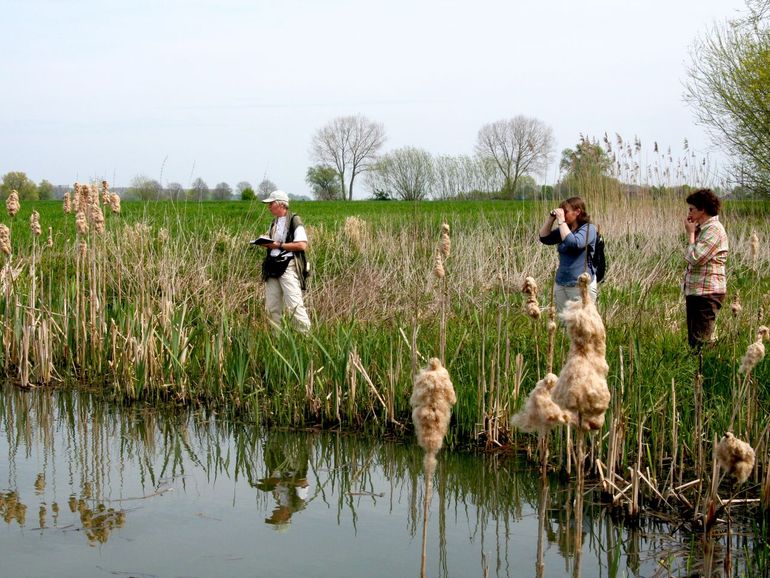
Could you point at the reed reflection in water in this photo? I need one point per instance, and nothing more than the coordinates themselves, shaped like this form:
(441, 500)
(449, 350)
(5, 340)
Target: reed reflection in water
(143, 492)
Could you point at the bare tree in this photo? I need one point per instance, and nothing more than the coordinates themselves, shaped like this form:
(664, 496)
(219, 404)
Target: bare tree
(265, 188)
(517, 146)
(406, 173)
(350, 145)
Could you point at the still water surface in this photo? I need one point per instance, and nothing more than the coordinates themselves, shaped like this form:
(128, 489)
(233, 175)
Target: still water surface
(89, 489)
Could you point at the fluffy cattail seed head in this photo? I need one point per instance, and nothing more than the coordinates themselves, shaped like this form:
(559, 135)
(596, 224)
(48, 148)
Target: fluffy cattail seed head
(34, 223)
(115, 203)
(540, 413)
(5, 239)
(433, 396)
(446, 243)
(754, 247)
(97, 217)
(12, 203)
(81, 223)
(735, 457)
(67, 203)
(438, 268)
(755, 352)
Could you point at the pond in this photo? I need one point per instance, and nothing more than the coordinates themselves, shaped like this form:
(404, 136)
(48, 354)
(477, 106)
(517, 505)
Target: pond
(92, 489)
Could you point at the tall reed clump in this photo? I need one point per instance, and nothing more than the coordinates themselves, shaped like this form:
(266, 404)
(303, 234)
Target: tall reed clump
(433, 396)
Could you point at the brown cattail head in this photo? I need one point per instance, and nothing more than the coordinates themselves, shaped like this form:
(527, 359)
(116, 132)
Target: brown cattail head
(540, 413)
(438, 268)
(530, 286)
(97, 217)
(445, 244)
(105, 193)
(34, 223)
(67, 203)
(81, 223)
(49, 243)
(432, 399)
(12, 203)
(583, 281)
(115, 203)
(735, 457)
(5, 239)
(755, 352)
(83, 246)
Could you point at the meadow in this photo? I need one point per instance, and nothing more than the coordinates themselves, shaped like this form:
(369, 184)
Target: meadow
(166, 306)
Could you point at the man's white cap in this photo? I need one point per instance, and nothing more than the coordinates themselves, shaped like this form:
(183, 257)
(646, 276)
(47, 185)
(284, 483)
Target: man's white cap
(277, 196)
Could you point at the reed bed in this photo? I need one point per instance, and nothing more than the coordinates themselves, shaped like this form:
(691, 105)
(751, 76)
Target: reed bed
(165, 304)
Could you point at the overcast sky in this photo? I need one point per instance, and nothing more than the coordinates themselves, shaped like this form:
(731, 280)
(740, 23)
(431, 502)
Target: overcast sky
(233, 90)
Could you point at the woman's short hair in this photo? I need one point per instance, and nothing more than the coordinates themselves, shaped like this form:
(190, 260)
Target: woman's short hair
(705, 200)
(576, 203)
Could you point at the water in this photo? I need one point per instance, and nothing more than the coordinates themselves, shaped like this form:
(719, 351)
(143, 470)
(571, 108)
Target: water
(88, 489)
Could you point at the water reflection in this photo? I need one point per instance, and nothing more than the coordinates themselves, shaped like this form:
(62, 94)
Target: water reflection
(186, 493)
(286, 466)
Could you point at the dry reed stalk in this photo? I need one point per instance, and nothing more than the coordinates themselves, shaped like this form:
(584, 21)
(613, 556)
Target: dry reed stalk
(433, 396)
(354, 231)
(735, 306)
(551, 327)
(12, 203)
(582, 385)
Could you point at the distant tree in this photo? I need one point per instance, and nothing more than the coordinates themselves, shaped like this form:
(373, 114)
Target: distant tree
(350, 144)
(199, 191)
(248, 194)
(222, 192)
(324, 182)
(586, 167)
(45, 190)
(175, 191)
(145, 188)
(242, 186)
(518, 146)
(265, 188)
(526, 188)
(405, 173)
(728, 90)
(19, 182)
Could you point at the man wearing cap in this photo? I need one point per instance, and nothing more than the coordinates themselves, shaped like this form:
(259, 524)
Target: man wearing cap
(284, 279)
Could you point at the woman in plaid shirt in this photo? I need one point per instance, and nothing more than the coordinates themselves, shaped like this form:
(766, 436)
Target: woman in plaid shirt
(704, 284)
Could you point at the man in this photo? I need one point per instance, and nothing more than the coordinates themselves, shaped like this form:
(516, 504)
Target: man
(283, 267)
(705, 283)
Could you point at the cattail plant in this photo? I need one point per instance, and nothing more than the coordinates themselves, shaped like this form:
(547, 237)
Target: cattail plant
(67, 203)
(755, 351)
(530, 290)
(582, 385)
(12, 203)
(540, 413)
(754, 243)
(445, 244)
(115, 203)
(105, 193)
(433, 396)
(735, 457)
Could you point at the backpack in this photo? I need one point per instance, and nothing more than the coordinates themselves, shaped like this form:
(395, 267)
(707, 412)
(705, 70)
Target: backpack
(300, 257)
(598, 258)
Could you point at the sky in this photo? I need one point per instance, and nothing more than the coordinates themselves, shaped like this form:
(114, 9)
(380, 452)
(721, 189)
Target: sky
(233, 90)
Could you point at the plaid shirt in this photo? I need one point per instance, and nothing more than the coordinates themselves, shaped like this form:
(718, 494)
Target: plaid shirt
(706, 258)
